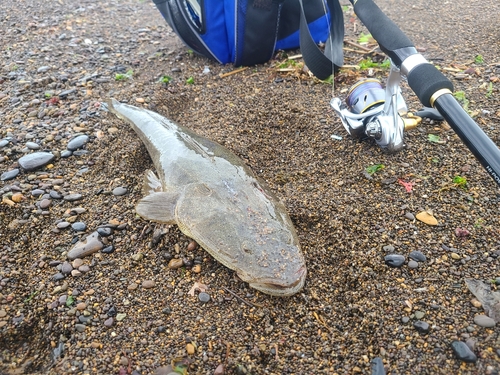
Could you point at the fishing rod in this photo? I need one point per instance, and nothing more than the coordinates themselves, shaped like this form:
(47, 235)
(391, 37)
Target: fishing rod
(365, 115)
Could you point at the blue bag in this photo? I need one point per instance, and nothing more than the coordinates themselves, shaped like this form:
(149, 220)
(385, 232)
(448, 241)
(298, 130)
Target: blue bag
(248, 32)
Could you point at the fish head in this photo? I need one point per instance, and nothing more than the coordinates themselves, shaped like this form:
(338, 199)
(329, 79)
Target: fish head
(249, 232)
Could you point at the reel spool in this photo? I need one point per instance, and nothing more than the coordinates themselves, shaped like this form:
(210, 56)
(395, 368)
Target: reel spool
(364, 95)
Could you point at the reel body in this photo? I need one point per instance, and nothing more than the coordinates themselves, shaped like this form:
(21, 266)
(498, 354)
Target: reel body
(374, 112)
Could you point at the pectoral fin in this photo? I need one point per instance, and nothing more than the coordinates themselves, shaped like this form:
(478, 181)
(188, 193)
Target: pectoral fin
(158, 207)
(151, 183)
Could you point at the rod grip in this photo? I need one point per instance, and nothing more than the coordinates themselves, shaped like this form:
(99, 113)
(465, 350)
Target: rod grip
(425, 80)
(388, 35)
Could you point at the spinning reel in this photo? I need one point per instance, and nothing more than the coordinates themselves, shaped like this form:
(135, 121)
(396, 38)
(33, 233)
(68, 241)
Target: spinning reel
(373, 112)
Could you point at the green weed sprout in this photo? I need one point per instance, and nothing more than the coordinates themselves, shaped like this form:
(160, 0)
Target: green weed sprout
(123, 77)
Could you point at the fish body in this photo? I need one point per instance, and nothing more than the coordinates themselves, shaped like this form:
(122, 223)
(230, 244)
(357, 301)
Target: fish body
(215, 199)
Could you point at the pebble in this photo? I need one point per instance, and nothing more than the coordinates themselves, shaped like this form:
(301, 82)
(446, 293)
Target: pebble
(175, 263)
(204, 297)
(418, 256)
(77, 142)
(65, 93)
(9, 175)
(63, 224)
(81, 306)
(35, 160)
(394, 260)
(90, 245)
(72, 197)
(80, 327)
(66, 154)
(148, 284)
(190, 349)
(471, 343)
(108, 249)
(476, 303)
(33, 145)
(4, 142)
(45, 203)
(388, 248)
(419, 314)
(84, 269)
(120, 317)
(118, 191)
(104, 232)
(197, 268)
(55, 195)
(77, 263)
(132, 286)
(18, 197)
(412, 264)
(58, 276)
(377, 366)
(137, 257)
(426, 218)
(79, 226)
(37, 192)
(484, 321)
(66, 268)
(220, 369)
(421, 326)
(409, 216)
(405, 319)
(463, 352)
(43, 69)
(109, 322)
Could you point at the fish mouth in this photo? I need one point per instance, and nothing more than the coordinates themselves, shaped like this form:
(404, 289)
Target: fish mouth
(282, 289)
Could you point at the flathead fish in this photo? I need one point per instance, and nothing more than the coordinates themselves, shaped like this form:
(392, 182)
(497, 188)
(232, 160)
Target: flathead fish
(215, 199)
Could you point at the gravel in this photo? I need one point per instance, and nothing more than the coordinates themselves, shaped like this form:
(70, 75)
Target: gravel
(75, 301)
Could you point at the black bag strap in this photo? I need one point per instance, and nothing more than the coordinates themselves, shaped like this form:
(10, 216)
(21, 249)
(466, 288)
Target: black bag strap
(261, 28)
(321, 64)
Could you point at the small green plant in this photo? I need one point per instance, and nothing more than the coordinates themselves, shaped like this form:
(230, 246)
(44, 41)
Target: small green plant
(123, 77)
(190, 52)
(435, 159)
(479, 59)
(345, 8)
(31, 296)
(372, 169)
(47, 95)
(489, 92)
(14, 68)
(460, 96)
(434, 138)
(165, 79)
(287, 64)
(369, 63)
(329, 80)
(70, 300)
(460, 181)
(479, 223)
(364, 38)
(190, 81)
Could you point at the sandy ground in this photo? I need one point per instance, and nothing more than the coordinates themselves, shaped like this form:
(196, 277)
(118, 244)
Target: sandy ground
(126, 311)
